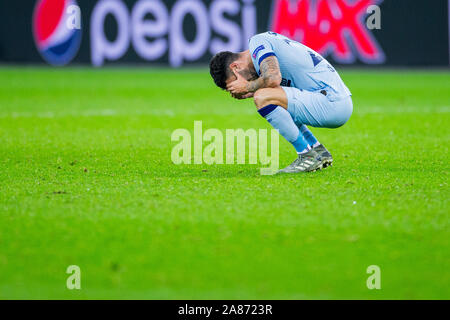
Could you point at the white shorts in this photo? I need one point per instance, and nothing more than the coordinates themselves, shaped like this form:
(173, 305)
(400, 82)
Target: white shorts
(316, 110)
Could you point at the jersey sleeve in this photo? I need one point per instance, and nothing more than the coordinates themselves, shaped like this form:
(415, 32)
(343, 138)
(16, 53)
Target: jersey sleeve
(260, 48)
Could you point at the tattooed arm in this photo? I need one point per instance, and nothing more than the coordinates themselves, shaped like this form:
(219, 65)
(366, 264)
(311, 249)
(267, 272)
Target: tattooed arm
(270, 75)
(270, 78)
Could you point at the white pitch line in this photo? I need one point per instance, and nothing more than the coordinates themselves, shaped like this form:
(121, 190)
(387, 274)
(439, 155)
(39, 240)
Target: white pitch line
(173, 113)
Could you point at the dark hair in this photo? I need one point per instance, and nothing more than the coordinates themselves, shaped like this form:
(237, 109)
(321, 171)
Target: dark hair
(219, 67)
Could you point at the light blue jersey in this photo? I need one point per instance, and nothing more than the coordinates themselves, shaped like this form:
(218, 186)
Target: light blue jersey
(300, 66)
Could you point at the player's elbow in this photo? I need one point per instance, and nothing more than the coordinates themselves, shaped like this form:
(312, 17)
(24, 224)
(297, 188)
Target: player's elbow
(273, 81)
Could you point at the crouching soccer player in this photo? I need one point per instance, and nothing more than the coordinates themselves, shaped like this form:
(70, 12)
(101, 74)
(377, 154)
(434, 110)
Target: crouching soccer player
(292, 87)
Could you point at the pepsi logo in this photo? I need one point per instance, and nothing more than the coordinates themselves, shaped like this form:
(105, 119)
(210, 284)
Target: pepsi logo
(57, 30)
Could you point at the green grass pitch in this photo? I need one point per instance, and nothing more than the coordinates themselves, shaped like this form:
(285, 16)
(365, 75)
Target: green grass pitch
(86, 179)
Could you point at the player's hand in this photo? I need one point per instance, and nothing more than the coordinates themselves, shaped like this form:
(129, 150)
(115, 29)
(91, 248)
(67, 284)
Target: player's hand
(242, 96)
(238, 86)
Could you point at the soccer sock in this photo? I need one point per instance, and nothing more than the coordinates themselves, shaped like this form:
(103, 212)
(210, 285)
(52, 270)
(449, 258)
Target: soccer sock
(281, 120)
(309, 137)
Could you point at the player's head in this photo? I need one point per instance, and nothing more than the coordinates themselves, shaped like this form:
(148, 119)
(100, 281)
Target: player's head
(222, 65)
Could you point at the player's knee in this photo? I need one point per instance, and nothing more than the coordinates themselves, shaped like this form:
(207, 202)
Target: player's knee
(260, 98)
